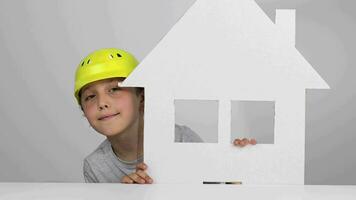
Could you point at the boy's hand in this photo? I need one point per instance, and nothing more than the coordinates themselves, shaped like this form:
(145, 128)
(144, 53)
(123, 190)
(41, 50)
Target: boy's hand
(140, 176)
(244, 142)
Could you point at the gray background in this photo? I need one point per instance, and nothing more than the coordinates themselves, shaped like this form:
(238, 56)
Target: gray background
(253, 119)
(249, 119)
(199, 115)
(43, 134)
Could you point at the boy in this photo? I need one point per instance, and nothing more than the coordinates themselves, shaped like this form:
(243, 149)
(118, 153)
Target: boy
(117, 113)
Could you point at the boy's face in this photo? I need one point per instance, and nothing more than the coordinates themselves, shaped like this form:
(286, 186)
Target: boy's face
(111, 109)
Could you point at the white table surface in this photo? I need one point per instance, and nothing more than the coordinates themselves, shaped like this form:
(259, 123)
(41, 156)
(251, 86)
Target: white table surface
(71, 191)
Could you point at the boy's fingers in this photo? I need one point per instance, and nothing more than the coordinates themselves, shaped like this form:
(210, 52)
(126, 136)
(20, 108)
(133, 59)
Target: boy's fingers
(244, 142)
(253, 141)
(240, 143)
(127, 179)
(237, 142)
(145, 176)
(141, 166)
(136, 178)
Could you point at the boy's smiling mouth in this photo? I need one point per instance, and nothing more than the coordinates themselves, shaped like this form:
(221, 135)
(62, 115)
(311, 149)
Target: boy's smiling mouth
(109, 116)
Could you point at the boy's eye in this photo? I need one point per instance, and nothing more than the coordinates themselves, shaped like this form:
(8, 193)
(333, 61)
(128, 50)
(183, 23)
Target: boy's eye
(114, 89)
(89, 97)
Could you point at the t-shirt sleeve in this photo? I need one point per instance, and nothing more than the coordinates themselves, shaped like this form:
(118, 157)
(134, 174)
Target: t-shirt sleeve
(88, 173)
(185, 134)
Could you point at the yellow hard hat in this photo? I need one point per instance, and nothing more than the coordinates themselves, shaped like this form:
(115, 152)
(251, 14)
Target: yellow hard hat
(103, 64)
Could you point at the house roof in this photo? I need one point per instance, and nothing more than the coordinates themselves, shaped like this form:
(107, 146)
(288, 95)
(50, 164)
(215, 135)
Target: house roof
(227, 42)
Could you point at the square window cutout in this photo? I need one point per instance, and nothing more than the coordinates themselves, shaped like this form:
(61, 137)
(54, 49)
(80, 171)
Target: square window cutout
(253, 119)
(196, 121)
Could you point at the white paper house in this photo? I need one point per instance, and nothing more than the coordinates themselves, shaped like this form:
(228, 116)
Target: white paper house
(227, 50)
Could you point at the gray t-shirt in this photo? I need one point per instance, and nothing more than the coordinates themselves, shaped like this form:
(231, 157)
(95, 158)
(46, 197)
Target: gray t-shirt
(103, 166)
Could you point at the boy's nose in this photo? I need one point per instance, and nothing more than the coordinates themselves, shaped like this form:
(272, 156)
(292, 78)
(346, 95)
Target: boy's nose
(103, 103)
(101, 107)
